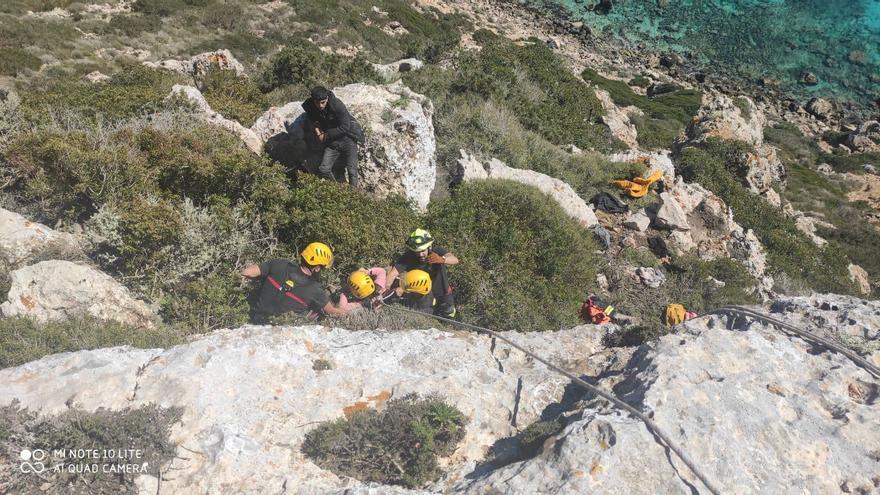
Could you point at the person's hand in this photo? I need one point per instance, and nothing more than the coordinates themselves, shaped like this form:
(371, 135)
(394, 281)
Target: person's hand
(436, 259)
(321, 137)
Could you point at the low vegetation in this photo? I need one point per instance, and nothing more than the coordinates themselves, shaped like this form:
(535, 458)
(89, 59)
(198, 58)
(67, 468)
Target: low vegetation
(789, 251)
(666, 115)
(397, 446)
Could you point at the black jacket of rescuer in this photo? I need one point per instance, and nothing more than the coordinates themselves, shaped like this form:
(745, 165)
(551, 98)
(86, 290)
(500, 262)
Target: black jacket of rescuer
(334, 120)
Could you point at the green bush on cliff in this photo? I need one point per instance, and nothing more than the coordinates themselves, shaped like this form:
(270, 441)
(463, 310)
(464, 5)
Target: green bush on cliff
(303, 67)
(666, 115)
(145, 429)
(524, 263)
(235, 97)
(789, 251)
(133, 91)
(398, 446)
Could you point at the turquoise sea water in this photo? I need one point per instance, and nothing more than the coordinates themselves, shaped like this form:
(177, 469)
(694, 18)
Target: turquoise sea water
(838, 40)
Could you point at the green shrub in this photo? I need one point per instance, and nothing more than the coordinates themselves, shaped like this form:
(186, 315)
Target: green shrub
(666, 115)
(322, 365)
(133, 91)
(789, 251)
(398, 446)
(538, 88)
(165, 8)
(305, 66)
(226, 16)
(362, 230)
(133, 25)
(699, 285)
(215, 301)
(235, 97)
(145, 428)
(533, 437)
(524, 263)
(23, 340)
(15, 60)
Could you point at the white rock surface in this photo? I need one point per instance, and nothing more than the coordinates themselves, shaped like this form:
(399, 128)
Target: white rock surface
(671, 215)
(652, 277)
(755, 411)
(21, 239)
(573, 205)
(57, 290)
(250, 394)
(637, 221)
(391, 72)
(617, 119)
(398, 156)
(849, 320)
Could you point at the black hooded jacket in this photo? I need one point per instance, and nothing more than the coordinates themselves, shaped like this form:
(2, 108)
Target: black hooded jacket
(334, 120)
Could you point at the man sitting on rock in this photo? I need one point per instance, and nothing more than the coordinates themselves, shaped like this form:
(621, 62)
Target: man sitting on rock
(337, 130)
(287, 286)
(423, 255)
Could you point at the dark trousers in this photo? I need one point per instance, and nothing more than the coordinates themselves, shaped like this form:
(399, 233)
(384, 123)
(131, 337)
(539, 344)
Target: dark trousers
(346, 148)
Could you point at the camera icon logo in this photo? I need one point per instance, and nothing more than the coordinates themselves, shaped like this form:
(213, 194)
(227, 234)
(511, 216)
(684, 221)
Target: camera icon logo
(32, 461)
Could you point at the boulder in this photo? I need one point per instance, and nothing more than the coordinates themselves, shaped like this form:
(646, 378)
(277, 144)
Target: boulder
(723, 118)
(201, 63)
(637, 221)
(57, 290)
(723, 395)
(652, 277)
(391, 72)
(617, 119)
(573, 205)
(743, 246)
(654, 160)
(671, 216)
(22, 240)
(251, 394)
(859, 276)
(808, 225)
(809, 79)
(96, 77)
(866, 138)
(398, 156)
(820, 108)
(825, 169)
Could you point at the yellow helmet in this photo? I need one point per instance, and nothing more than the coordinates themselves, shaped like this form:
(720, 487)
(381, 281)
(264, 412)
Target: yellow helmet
(361, 284)
(417, 281)
(317, 254)
(419, 240)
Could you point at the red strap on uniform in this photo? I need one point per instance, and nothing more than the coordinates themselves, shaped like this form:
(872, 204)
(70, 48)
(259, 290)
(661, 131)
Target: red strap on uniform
(286, 293)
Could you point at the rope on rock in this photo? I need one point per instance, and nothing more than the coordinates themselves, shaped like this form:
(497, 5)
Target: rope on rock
(605, 395)
(809, 336)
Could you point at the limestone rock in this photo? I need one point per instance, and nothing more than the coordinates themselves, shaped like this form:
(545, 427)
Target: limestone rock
(820, 108)
(808, 225)
(745, 247)
(670, 215)
(201, 63)
(53, 290)
(860, 277)
(250, 394)
(866, 138)
(652, 277)
(654, 160)
(617, 119)
(398, 156)
(808, 414)
(637, 221)
(721, 117)
(573, 205)
(96, 77)
(391, 72)
(21, 240)
(825, 169)
(850, 321)
(681, 242)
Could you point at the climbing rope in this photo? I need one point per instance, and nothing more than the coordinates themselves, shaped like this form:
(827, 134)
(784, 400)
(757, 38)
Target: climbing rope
(809, 336)
(610, 398)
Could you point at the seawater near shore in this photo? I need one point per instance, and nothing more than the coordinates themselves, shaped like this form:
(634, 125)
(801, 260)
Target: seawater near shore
(837, 41)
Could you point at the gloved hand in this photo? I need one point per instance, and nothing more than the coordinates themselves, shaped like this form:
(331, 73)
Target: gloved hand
(436, 259)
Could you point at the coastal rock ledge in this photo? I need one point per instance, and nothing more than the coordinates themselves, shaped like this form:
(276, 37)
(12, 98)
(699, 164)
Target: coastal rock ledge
(758, 411)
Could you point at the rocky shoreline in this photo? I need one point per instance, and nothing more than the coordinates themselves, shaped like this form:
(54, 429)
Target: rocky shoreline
(518, 18)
